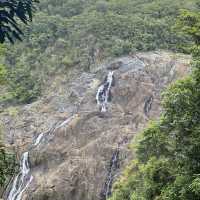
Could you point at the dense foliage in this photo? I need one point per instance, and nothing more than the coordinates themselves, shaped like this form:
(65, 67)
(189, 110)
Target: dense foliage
(7, 166)
(65, 33)
(10, 12)
(167, 166)
(7, 162)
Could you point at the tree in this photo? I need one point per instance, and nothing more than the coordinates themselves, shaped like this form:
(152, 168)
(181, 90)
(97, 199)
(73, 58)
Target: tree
(12, 11)
(7, 161)
(22, 85)
(189, 23)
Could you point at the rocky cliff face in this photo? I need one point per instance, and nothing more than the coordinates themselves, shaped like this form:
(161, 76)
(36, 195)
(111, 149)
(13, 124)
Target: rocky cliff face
(81, 151)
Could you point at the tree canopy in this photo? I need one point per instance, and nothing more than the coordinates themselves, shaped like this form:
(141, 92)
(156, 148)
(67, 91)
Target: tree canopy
(68, 33)
(11, 12)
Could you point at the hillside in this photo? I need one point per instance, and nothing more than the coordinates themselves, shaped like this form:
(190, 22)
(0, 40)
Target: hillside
(78, 93)
(74, 150)
(81, 33)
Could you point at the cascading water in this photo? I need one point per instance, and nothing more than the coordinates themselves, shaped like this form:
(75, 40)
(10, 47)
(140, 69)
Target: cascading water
(112, 170)
(114, 165)
(22, 180)
(24, 177)
(148, 104)
(103, 92)
(38, 140)
(65, 122)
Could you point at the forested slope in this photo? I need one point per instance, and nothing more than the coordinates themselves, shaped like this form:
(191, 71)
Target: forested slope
(82, 33)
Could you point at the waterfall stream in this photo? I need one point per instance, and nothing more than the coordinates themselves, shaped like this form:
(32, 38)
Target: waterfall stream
(38, 140)
(112, 170)
(148, 104)
(24, 177)
(103, 92)
(22, 180)
(114, 165)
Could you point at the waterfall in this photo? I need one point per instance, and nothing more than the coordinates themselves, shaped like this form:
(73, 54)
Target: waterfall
(103, 92)
(148, 104)
(112, 170)
(65, 122)
(114, 165)
(22, 180)
(39, 138)
(24, 177)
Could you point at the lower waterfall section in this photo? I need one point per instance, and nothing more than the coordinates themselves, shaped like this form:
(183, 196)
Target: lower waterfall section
(24, 178)
(114, 165)
(148, 104)
(112, 170)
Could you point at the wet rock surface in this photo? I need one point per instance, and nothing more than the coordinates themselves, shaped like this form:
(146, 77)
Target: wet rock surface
(77, 160)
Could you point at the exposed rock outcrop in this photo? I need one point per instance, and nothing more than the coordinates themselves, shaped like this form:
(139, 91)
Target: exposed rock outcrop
(80, 159)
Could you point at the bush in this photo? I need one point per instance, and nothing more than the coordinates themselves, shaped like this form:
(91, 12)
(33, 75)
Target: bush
(67, 61)
(23, 86)
(7, 162)
(3, 74)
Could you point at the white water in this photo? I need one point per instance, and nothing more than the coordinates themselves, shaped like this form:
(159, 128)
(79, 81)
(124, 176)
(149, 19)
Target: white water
(22, 180)
(106, 192)
(110, 175)
(24, 177)
(103, 92)
(65, 122)
(39, 138)
(112, 171)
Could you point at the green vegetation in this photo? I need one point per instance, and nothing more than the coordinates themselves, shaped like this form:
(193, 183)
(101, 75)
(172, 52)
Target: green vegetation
(11, 12)
(67, 33)
(21, 85)
(81, 33)
(19, 82)
(167, 164)
(7, 162)
(7, 166)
